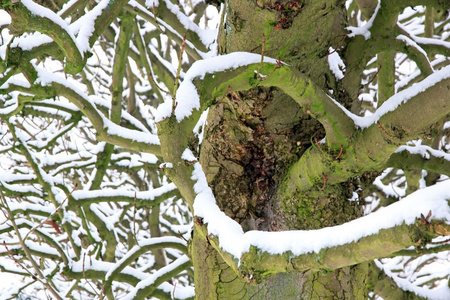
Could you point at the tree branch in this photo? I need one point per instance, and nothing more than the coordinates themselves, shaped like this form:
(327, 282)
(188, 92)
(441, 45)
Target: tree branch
(136, 251)
(27, 15)
(422, 158)
(261, 264)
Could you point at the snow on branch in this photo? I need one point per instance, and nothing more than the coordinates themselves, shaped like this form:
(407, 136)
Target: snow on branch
(144, 246)
(425, 151)
(364, 30)
(141, 197)
(233, 240)
(187, 96)
(337, 66)
(207, 37)
(417, 54)
(109, 131)
(424, 40)
(54, 26)
(146, 286)
(398, 99)
(440, 293)
(136, 8)
(93, 268)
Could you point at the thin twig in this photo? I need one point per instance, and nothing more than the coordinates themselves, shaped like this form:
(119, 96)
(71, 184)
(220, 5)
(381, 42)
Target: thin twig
(340, 153)
(317, 144)
(51, 215)
(20, 264)
(33, 137)
(181, 236)
(146, 58)
(338, 45)
(85, 278)
(441, 242)
(255, 48)
(27, 250)
(383, 130)
(324, 177)
(134, 219)
(376, 74)
(173, 292)
(175, 84)
(1, 139)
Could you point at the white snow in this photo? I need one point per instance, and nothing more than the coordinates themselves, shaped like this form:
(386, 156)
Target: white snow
(150, 3)
(143, 195)
(153, 277)
(411, 43)
(446, 125)
(84, 26)
(136, 248)
(441, 293)
(41, 11)
(199, 129)
(188, 155)
(396, 100)
(206, 36)
(424, 40)
(164, 26)
(187, 96)
(364, 30)
(233, 240)
(46, 78)
(425, 151)
(336, 64)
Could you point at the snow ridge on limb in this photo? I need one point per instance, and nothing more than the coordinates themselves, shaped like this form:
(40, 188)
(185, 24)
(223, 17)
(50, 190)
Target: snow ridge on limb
(398, 99)
(44, 20)
(364, 30)
(187, 95)
(136, 251)
(206, 36)
(98, 269)
(147, 198)
(87, 29)
(216, 76)
(296, 248)
(191, 48)
(148, 285)
(441, 293)
(421, 157)
(108, 131)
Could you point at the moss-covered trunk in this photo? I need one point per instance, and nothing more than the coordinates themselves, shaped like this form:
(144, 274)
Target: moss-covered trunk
(253, 138)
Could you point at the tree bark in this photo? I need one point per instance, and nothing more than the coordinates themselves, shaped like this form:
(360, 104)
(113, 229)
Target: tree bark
(258, 142)
(253, 137)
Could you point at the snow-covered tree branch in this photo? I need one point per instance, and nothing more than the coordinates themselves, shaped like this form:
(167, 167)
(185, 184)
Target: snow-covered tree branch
(240, 150)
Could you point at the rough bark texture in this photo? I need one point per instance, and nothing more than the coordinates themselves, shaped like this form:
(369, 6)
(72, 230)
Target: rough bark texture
(252, 139)
(268, 167)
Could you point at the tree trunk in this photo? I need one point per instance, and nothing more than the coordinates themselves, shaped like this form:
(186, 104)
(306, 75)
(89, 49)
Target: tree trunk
(253, 137)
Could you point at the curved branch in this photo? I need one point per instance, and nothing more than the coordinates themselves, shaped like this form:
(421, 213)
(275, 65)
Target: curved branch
(136, 8)
(99, 18)
(421, 158)
(27, 15)
(261, 254)
(106, 130)
(147, 286)
(26, 224)
(136, 251)
(235, 71)
(414, 51)
(143, 199)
